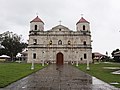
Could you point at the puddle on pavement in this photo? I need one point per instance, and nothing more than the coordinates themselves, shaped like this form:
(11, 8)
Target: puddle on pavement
(114, 83)
(96, 81)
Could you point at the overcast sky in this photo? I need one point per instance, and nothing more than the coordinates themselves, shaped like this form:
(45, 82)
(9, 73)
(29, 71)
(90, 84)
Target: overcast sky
(103, 15)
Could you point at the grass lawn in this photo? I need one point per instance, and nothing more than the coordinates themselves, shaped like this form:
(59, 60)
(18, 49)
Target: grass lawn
(98, 71)
(11, 72)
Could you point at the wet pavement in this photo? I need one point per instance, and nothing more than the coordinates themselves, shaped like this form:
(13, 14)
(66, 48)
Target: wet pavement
(64, 77)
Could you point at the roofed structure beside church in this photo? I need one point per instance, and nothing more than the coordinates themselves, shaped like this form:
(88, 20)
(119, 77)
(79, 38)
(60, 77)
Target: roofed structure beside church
(60, 44)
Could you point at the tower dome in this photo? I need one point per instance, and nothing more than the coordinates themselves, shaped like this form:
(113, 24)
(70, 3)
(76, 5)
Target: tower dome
(37, 19)
(82, 20)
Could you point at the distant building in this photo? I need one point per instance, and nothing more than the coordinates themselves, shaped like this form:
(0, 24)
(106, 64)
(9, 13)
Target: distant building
(4, 58)
(117, 53)
(60, 44)
(116, 56)
(24, 54)
(98, 56)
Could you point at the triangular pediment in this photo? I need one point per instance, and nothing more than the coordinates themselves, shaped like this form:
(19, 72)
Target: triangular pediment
(60, 28)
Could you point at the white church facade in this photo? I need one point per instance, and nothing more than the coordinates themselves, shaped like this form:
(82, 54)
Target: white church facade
(60, 44)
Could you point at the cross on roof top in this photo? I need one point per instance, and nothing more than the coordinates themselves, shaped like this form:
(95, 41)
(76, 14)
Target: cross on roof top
(82, 15)
(37, 14)
(60, 22)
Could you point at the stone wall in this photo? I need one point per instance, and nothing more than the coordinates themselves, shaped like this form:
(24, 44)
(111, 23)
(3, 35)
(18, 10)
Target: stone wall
(47, 51)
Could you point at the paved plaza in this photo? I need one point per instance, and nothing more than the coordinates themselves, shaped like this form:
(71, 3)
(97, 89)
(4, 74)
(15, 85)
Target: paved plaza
(65, 77)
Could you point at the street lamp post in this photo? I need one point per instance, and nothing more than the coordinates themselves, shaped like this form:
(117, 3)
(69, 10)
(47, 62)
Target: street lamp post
(32, 66)
(77, 60)
(77, 63)
(43, 59)
(88, 68)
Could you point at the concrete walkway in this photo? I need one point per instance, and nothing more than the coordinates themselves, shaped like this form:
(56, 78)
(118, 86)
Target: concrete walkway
(64, 77)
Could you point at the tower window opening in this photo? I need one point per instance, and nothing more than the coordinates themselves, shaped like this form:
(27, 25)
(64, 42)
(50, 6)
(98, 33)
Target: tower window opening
(84, 43)
(59, 42)
(35, 27)
(83, 27)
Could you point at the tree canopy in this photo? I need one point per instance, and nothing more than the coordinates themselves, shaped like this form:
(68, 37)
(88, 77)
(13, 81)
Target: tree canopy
(12, 44)
(116, 55)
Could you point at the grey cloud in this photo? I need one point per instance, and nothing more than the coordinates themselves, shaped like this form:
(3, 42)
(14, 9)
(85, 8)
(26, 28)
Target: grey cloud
(103, 15)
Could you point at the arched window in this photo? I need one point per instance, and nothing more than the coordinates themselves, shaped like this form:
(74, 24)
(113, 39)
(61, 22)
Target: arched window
(59, 42)
(83, 27)
(35, 27)
(34, 41)
(69, 42)
(84, 43)
(50, 42)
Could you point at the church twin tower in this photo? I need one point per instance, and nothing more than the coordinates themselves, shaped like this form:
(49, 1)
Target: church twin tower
(60, 44)
(38, 24)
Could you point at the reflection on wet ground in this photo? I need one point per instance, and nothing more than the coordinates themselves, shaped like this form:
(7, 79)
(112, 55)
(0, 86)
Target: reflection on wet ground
(65, 77)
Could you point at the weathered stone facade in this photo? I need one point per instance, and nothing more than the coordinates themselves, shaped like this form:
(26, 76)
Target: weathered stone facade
(47, 46)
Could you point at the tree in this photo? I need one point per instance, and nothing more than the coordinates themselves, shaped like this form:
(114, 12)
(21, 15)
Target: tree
(116, 55)
(12, 43)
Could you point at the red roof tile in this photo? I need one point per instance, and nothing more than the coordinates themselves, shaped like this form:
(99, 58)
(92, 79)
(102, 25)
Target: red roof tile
(37, 19)
(82, 20)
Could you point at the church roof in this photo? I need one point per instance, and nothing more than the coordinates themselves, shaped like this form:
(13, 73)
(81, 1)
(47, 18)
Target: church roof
(37, 19)
(82, 20)
(60, 26)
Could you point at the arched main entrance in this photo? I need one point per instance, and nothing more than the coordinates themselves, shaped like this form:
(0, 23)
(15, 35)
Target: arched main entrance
(59, 59)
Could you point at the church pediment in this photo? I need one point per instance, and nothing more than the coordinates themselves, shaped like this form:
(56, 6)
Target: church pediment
(60, 28)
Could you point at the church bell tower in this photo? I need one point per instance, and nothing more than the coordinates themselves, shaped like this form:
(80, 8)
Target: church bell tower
(37, 24)
(82, 25)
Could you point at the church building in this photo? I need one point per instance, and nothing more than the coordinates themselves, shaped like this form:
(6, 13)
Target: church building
(60, 44)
